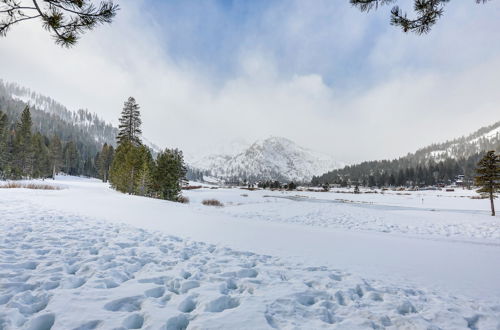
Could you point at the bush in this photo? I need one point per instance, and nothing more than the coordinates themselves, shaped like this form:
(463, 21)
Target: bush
(212, 202)
(10, 185)
(183, 200)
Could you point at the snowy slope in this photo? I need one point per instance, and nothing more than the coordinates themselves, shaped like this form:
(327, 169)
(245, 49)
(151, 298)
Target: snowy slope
(65, 265)
(275, 158)
(486, 138)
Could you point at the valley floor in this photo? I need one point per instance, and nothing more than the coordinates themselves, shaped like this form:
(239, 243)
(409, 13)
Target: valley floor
(88, 257)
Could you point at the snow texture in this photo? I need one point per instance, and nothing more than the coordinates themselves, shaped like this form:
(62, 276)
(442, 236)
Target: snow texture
(62, 269)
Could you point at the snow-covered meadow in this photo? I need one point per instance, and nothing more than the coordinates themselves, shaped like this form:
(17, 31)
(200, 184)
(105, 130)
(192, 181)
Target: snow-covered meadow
(88, 257)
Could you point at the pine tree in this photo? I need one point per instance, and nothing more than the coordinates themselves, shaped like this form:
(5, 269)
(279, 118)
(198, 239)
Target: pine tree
(488, 177)
(104, 161)
(125, 172)
(89, 167)
(169, 174)
(56, 155)
(428, 12)
(356, 189)
(130, 123)
(4, 152)
(23, 148)
(41, 159)
(65, 19)
(70, 159)
(145, 173)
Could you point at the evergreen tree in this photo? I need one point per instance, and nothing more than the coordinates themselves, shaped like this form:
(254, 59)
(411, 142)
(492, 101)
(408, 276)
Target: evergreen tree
(89, 167)
(23, 148)
(70, 159)
(41, 159)
(130, 123)
(428, 12)
(169, 174)
(125, 172)
(145, 181)
(104, 161)
(4, 152)
(488, 177)
(65, 19)
(56, 155)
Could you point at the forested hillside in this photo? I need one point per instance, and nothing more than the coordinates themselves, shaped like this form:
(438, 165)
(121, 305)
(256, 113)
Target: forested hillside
(81, 134)
(437, 163)
(52, 117)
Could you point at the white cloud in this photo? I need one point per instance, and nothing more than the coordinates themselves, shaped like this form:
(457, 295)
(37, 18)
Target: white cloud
(414, 101)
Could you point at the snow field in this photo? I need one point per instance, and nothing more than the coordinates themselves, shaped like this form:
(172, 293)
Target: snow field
(439, 216)
(64, 271)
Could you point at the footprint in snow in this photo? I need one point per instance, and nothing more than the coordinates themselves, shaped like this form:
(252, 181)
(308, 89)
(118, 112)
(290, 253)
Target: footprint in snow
(222, 303)
(134, 321)
(179, 322)
(128, 304)
(155, 292)
(187, 305)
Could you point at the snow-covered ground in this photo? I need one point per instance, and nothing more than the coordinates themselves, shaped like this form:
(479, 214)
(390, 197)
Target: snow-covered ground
(91, 258)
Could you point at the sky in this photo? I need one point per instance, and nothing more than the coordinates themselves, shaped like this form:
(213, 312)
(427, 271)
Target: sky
(320, 73)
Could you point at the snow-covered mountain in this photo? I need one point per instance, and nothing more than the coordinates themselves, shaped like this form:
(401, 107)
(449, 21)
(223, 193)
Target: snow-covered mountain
(275, 158)
(485, 138)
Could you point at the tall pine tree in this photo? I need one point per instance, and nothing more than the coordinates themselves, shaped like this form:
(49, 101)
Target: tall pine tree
(70, 159)
(41, 158)
(104, 161)
(4, 152)
(130, 123)
(56, 155)
(488, 177)
(23, 147)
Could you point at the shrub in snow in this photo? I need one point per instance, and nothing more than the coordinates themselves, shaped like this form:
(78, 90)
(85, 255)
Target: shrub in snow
(183, 199)
(212, 202)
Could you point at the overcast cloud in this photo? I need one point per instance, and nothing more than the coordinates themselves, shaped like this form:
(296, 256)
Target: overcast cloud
(317, 72)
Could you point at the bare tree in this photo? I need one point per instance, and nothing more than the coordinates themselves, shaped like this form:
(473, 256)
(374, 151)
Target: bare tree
(65, 19)
(427, 13)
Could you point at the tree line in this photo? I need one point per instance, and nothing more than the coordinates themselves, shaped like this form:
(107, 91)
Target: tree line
(402, 172)
(24, 154)
(130, 168)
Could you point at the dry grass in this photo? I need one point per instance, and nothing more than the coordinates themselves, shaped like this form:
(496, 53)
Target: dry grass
(37, 186)
(191, 187)
(212, 202)
(478, 197)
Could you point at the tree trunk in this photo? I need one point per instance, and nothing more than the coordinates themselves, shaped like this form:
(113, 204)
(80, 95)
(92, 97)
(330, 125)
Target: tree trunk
(492, 205)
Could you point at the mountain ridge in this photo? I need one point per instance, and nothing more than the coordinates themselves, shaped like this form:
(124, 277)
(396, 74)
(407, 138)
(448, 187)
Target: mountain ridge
(444, 162)
(273, 158)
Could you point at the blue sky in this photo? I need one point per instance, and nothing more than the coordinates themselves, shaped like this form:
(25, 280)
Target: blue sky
(318, 72)
(301, 37)
(325, 37)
